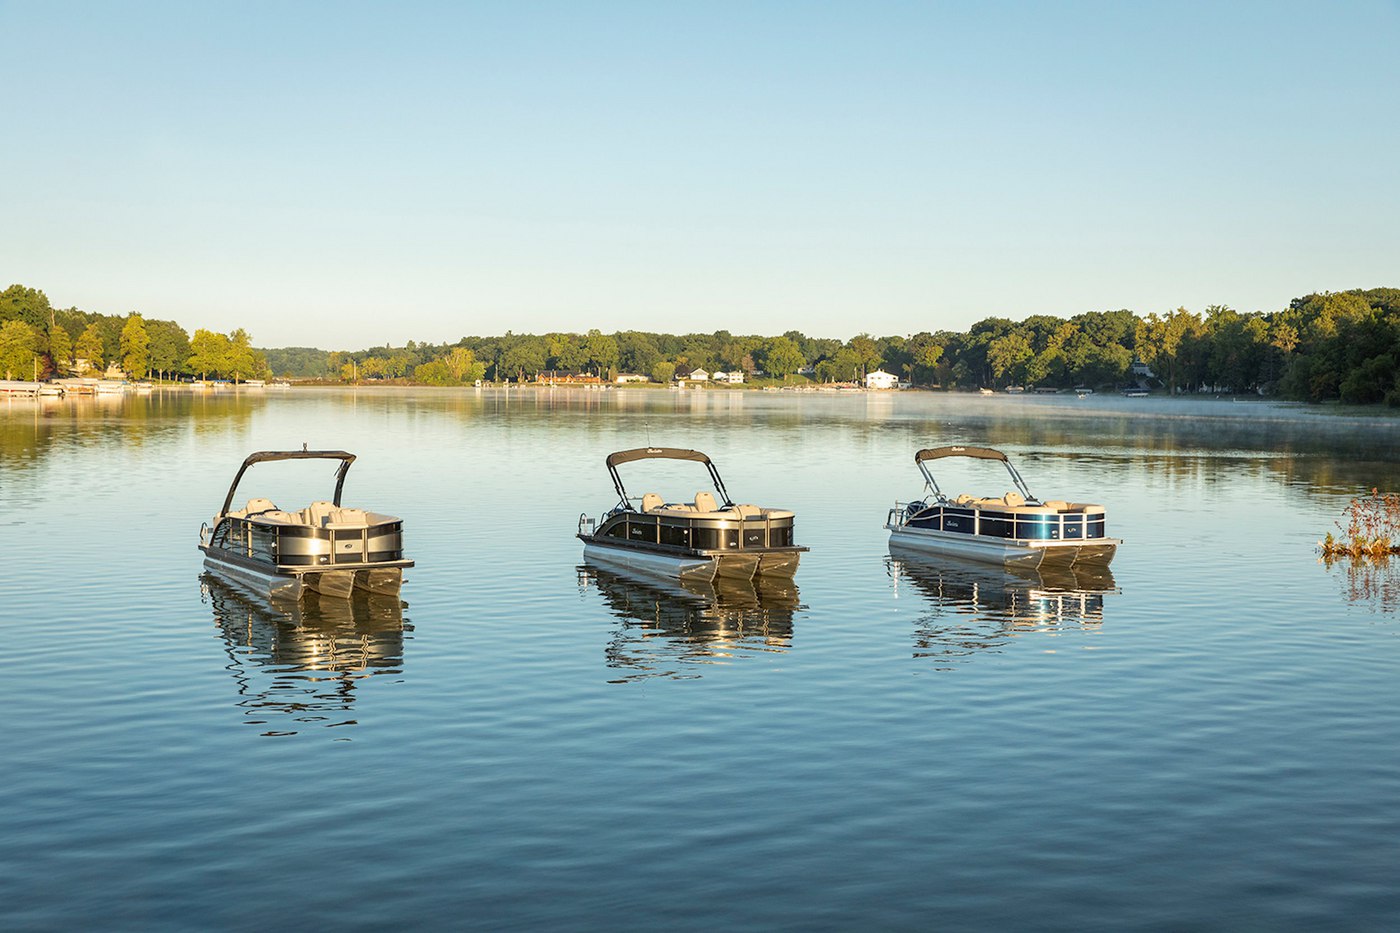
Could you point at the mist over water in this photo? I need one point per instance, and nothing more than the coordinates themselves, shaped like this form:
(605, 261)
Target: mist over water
(1206, 736)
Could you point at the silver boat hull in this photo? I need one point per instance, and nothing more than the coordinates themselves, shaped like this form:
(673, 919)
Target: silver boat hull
(1007, 552)
(336, 584)
(698, 569)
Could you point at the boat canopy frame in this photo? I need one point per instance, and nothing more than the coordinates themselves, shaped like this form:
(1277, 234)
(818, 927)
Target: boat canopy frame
(979, 453)
(266, 456)
(662, 453)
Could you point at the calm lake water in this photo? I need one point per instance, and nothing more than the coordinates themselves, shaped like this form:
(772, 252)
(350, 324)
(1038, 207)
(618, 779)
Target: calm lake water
(1209, 738)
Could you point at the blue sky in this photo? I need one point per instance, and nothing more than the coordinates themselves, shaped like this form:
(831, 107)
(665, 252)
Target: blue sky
(342, 175)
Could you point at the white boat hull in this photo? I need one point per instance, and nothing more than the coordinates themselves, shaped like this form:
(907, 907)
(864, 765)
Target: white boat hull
(1007, 552)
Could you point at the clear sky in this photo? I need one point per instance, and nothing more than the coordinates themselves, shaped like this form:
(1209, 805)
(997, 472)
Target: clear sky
(342, 175)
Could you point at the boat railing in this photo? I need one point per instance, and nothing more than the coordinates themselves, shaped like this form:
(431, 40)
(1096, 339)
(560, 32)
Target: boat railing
(586, 525)
(898, 513)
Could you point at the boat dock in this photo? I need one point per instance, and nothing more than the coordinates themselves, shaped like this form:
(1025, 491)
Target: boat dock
(14, 388)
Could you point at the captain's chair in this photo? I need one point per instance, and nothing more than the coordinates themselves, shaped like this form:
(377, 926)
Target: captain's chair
(317, 512)
(651, 501)
(704, 502)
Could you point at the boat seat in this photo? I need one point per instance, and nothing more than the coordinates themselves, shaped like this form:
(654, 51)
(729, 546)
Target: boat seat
(1057, 504)
(259, 505)
(704, 502)
(348, 517)
(317, 512)
(963, 499)
(749, 511)
(277, 516)
(1014, 499)
(650, 502)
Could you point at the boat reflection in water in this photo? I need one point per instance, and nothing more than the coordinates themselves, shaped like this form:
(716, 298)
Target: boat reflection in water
(670, 628)
(979, 607)
(301, 665)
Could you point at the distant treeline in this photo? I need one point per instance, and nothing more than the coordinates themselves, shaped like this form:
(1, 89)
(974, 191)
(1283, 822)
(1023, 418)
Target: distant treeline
(36, 338)
(1334, 345)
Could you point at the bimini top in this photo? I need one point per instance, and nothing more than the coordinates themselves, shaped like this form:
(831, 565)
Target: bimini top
(264, 456)
(662, 453)
(655, 453)
(981, 453)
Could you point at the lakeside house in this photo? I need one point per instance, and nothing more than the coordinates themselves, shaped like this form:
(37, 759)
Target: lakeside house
(732, 378)
(624, 378)
(880, 379)
(693, 375)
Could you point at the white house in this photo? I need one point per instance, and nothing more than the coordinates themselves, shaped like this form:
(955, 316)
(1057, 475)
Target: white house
(1139, 368)
(695, 375)
(880, 379)
(733, 378)
(624, 378)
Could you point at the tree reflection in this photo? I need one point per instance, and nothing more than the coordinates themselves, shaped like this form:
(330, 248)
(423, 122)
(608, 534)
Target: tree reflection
(1369, 582)
(976, 608)
(301, 664)
(669, 629)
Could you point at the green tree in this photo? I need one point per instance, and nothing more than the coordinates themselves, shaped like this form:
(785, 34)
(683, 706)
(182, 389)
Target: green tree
(1008, 354)
(866, 353)
(463, 365)
(435, 373)
(19, 346)
(600, 351)
(60, 348)
(209, 353)
(170, 346)
(1160, 341)
(637, 352)
(564, 352)
(663, 371)
(241, 360)
(29, 305)
(89, 348)
(925, 352)
(522, 355)
(781, 357)
(135, 346)
(843, 366)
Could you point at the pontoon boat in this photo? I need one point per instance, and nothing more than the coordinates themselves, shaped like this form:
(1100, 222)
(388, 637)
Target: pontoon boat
(698, 540)
(324, 547)
(1015, 528)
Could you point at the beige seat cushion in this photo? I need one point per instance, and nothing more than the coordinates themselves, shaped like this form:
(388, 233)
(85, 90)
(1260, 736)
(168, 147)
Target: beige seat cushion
(1014, 498)
(1057, 504)
(651, 501)
(750, 511)
(704, 502)
(259, 505)
(317, 512)
(346, 517)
